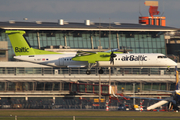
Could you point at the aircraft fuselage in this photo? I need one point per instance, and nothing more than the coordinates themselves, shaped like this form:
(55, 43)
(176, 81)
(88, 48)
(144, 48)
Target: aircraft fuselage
(121, 60)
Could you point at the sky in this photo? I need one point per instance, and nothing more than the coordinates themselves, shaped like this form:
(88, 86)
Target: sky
(104, 11)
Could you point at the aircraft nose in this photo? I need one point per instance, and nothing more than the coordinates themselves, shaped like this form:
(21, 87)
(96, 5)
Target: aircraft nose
(173, 63)
(170, 62)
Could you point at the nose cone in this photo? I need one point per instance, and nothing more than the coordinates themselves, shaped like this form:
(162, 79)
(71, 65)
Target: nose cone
(172, 63)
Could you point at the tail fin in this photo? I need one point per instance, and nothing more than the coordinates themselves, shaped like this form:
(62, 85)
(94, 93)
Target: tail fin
(177, 79)
(21, 46)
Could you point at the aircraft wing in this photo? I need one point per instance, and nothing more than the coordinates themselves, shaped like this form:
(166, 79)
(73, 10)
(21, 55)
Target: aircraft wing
(92, 57)
(84, 53)
(112, 50)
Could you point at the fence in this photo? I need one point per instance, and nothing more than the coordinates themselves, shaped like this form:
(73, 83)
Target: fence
(72, 71)
(87, 103)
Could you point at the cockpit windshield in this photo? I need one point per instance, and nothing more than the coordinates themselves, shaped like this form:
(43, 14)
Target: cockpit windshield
(161, 57)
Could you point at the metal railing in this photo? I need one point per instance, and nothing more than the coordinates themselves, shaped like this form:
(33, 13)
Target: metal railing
(72, 71)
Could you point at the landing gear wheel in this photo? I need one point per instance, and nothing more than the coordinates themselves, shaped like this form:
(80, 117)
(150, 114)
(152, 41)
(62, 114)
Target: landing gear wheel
(168, 69)
(100, 71)
(88, 72)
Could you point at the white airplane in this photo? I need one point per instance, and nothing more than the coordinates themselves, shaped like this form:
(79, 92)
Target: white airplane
(25, 52)
(173, 101)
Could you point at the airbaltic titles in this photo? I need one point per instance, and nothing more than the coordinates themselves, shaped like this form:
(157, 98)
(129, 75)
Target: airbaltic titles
(22, 49)
(134, 58)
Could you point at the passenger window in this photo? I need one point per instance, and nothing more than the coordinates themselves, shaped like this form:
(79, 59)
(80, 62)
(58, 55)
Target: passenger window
(116, 59)
(119, 59)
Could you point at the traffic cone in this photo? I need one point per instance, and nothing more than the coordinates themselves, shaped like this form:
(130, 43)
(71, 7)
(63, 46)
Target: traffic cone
(107, 107)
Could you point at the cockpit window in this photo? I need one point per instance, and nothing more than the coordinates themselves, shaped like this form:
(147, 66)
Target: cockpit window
(162, 57)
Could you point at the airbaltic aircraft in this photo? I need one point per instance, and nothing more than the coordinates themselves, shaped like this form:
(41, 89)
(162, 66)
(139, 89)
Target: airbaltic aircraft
(24, 51)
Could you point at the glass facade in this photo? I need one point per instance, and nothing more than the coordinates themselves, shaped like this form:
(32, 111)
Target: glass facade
(139, 42)
(84, 88)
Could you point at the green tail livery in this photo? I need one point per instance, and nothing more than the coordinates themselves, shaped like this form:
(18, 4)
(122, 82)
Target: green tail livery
(21, 46)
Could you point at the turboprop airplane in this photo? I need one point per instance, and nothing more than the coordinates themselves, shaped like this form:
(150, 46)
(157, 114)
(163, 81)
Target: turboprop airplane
(25, 52)
(119, 59)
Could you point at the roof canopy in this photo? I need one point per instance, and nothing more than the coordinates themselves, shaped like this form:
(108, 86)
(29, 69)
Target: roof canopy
(116, 26)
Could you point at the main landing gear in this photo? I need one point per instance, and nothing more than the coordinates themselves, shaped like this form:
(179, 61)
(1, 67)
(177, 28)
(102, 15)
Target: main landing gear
(101, 71)
(88, 72)
(90, 65)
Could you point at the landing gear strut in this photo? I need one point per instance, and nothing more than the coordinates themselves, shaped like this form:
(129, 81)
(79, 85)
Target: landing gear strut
(88, 72)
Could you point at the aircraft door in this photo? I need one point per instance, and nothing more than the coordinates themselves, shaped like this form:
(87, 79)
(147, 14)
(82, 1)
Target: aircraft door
(61, 61)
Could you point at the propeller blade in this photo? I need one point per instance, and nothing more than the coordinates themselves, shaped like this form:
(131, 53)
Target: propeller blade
(125, 51)
(112, 56)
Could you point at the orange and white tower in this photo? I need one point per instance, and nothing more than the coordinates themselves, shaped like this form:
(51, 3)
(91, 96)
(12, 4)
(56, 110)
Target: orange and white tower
(152, 20)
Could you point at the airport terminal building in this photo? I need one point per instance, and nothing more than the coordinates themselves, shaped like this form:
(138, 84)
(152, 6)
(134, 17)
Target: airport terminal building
(26, 81)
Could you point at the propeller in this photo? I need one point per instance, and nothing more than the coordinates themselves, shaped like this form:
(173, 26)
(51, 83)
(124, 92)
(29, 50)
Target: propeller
(125, 51)
(112, 56)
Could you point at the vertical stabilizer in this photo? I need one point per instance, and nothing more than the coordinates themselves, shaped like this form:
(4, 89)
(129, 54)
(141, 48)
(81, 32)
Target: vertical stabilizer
(177, 81)
(21, 46)
(160, 103)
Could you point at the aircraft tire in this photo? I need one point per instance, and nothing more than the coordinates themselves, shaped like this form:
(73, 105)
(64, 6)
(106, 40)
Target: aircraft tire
(88, 72)
(100, 71)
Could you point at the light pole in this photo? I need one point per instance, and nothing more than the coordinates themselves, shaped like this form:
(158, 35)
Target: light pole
(134, 93)
(99, 89)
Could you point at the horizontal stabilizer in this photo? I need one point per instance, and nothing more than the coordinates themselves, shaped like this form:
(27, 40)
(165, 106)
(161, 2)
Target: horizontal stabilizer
(158, 104)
